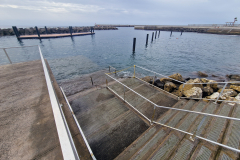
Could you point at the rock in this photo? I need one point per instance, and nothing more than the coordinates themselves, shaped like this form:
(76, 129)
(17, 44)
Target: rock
(201, 74)
(205, 100)
(169, 86)
(237, 98)
(158, 83)
(227, 93)
(207, 91)
(213, 96)
(234, 77)
(164, 80)
(213, 85)
(181, 90)
(177, 76)
(236, 88)
(213, 75)
(147, 79)
(231, 99)
(194, 92)
(236, 84)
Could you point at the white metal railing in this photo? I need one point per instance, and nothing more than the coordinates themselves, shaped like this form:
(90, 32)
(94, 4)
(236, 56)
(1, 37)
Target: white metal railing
(188, 111)
(66, 142)
(78, 125)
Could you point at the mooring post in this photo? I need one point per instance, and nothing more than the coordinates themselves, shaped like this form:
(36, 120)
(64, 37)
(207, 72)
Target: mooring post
(91, 81)
(37, 32)
(152, 35)
(109, 68)
(147, 39)
(156, 35)
(159, 34)
(181, 32)
(134, 44)
(46, 30)
(91, 29)
(16, 31)
(70, 30)
(171, 34)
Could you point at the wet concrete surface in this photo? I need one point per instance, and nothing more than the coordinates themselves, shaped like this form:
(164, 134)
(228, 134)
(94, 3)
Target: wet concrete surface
(27, 125)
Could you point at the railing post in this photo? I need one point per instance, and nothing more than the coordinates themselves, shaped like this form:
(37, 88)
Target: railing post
(106, 83)
(182, 91)
(7, 55)
(134, 71)
(220, 93)
(124, 93)
(154, 78)
(153, 115)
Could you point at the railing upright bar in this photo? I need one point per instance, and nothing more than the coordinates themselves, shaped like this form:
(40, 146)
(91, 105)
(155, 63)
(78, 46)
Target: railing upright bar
(221, 92)
(4, 49)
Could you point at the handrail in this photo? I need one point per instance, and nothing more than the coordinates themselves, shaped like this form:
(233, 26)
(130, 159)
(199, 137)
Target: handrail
(20, 47)
(66, 142)
(191, 134)
(189, 111)
(78, 125)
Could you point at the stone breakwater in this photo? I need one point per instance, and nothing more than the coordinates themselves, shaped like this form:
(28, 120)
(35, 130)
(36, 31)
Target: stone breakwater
(191, 90)
(212, 30)
(51, 30)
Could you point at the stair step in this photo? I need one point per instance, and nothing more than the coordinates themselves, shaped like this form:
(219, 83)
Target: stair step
(93, 119)
(130, 82)
(186, 146)
(112, 138)
(214, 132)
(232, 136)
(157, 139)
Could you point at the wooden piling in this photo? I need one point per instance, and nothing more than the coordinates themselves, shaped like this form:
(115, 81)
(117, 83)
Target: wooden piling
(37, 32)
(70, 30)
(156, 35)
(171, 34)
(46, 30)
(159, 34)
(181, 32)
(16, 31)
(134, 44)
(152, 35)
(147, 39)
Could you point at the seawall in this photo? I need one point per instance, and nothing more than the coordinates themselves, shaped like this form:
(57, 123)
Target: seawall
(212, 30)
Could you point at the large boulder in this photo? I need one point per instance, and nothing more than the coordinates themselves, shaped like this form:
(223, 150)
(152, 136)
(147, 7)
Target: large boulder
(147, 79)
(201, 74)
(234, 87)
(194, 92)
(177, 76)
(234, 77)
(169, 86)
(158, 83)
(213, 96)
(227, 93)
(213, 85)
(207, 91)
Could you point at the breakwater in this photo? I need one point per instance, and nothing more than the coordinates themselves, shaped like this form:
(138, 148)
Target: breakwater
(52, 30)
(200, 29)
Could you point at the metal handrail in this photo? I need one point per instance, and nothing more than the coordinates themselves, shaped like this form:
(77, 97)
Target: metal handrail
(66, 142)
(189, 111)
(191, 134)
(78, 125)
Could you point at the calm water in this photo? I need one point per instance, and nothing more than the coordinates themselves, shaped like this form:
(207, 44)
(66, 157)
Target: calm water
(186, 54)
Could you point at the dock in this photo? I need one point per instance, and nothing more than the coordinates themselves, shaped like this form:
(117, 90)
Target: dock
(29, 125)
(43, 36)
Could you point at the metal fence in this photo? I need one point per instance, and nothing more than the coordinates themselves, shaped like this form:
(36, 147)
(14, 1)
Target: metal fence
(150, 120)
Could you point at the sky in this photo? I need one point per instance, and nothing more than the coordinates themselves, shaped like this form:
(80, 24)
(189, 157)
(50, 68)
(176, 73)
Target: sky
(133, 12)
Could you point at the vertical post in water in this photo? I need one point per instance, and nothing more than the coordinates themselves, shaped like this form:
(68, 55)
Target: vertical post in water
(152, 36)
(91, 29)
(181, 32)
(46, 30)
(70, 30)
(16, 31)
(159, 34)
(37, 32)
(171, 34)
(134, 44)
(147, 39)
(156, 35)
(91, 81)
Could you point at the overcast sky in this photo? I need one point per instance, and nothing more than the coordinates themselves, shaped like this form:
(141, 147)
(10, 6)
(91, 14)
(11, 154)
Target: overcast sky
(89, 12)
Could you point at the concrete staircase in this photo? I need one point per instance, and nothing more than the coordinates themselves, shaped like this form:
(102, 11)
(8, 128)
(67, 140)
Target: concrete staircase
(115, 131)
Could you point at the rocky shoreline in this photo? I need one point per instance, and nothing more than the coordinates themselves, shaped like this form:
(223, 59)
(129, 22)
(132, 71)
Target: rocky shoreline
(174, 84)
(52, 30)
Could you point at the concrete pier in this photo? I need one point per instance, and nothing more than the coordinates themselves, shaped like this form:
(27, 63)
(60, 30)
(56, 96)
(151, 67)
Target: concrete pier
(27, 125)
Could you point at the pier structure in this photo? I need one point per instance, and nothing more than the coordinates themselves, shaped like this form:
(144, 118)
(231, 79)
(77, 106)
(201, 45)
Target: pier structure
(44, 36)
